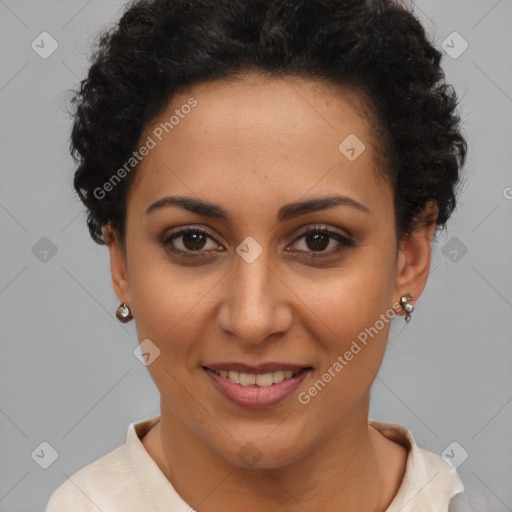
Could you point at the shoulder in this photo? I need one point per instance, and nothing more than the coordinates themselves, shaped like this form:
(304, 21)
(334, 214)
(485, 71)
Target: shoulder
(429, 482)
(111, 482)
(91, 487)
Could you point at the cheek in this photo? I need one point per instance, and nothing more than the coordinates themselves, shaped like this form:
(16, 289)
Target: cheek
(170, 312)
(349, 315)
(165, 296)
(167, 307)
(345, 301)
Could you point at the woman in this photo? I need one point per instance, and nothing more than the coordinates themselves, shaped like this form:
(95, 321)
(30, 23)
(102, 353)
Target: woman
(268, 177)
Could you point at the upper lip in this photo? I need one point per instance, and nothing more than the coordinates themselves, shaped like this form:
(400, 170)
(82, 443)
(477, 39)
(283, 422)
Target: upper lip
(260, 368)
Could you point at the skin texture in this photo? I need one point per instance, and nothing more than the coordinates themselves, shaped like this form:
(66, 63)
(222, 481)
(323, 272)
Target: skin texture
(251, 146)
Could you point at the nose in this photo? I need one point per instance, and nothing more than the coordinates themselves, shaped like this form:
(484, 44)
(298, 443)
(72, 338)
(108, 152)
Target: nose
(255, 302)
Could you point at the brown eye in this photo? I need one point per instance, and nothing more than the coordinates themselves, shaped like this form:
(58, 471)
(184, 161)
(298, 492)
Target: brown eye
(318, 239)
(193, 240)
(187, 241)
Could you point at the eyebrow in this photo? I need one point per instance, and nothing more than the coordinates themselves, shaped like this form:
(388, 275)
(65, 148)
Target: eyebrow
(286, 212)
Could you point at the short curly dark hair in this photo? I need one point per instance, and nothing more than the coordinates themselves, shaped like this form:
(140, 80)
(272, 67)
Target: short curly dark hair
(159, 47)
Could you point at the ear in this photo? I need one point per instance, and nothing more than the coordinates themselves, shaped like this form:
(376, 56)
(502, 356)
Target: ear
(414, 257)
(118, 268)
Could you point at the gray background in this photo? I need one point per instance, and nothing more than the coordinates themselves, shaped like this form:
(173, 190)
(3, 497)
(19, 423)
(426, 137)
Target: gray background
(68, 373)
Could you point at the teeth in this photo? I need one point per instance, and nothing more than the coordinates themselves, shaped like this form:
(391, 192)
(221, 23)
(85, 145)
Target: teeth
(258, 379)
(247, 379)
(234, 377)
(264, 379)
(277, 377)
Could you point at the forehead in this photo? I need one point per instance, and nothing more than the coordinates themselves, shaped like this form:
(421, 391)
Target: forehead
(256, 109)
(288, 135)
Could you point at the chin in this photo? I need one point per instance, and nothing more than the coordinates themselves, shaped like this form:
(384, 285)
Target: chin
(262, 452)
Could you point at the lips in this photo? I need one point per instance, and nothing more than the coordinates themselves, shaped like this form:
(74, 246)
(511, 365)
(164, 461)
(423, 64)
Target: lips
(256, 386)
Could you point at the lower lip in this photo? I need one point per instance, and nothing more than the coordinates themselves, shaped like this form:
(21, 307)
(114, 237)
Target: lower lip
(256, 397)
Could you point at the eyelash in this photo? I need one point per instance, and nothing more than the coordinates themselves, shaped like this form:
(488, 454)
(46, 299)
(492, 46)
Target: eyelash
(344, 242)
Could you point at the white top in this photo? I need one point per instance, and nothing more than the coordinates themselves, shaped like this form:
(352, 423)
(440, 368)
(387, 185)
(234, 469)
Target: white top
(127, 479)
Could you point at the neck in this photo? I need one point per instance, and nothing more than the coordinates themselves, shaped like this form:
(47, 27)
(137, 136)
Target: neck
(344, 473)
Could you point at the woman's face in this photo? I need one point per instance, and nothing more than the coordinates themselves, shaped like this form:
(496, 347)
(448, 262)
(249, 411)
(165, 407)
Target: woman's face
(251, 291)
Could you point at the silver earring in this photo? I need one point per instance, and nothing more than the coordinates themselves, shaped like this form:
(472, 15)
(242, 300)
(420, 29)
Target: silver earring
(408, 308)
(123, 313)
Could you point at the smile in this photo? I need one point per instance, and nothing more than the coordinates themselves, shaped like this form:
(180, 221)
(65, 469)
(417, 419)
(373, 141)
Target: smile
(256, 379)
(256, 389)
